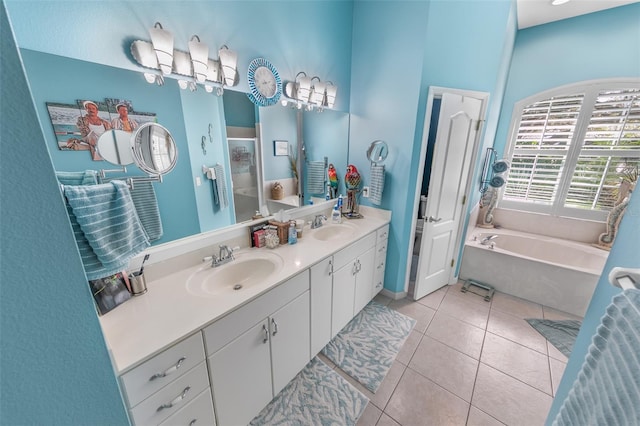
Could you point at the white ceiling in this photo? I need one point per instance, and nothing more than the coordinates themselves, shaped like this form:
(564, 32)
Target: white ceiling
(536, 12)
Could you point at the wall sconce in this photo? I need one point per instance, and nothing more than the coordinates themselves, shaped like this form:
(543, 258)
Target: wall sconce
(195, 64)
(199, 58)
(163, 46)
(309, 93)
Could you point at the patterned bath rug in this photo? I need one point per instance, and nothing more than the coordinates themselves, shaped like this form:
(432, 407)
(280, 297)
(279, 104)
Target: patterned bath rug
(316, 396)
(562, 334)
(366, 347)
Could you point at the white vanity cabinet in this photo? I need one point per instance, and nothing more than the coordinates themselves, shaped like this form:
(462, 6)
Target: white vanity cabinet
(382, 238)
(321, 291)
(254, 351)
(167, 383)
(352, 281)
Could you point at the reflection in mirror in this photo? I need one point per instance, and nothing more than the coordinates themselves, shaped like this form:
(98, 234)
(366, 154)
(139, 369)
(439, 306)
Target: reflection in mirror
(377, 151)
(154, 149)
(244, 175)
(115, 147)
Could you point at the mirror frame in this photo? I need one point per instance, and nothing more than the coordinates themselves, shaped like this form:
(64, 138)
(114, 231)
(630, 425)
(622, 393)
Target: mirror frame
(137, 147)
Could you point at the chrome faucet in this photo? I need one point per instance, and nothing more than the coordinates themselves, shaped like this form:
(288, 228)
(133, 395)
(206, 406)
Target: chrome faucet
(317, 221)
(486, 240)
(224, 256)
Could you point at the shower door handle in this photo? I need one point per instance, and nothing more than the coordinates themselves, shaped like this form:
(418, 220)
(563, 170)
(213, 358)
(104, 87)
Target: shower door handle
(433, 219)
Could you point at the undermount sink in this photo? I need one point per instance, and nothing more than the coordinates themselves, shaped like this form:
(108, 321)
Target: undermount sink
(247, 270)
(333, 232)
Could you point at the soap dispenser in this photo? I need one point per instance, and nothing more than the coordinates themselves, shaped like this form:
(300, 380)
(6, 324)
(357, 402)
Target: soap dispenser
(336, 217)
(293, 234)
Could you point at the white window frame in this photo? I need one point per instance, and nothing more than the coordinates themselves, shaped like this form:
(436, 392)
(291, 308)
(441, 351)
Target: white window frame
(590, 89)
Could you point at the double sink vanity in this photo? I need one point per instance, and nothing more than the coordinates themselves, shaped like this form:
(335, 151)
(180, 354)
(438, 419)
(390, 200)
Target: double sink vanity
(213, 345)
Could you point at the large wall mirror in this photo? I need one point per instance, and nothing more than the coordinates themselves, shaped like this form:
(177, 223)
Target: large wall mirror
(209, 131)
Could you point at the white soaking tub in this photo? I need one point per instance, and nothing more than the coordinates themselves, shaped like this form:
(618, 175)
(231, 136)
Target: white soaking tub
(553, 272)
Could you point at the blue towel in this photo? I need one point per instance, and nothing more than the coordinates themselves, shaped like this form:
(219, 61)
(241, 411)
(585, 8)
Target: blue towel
(607, 390)
(316, 177)
(221, 187)
(106, 216)
(377, 184)
(88, 177)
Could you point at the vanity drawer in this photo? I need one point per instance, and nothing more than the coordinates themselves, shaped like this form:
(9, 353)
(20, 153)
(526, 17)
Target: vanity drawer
(349, 253)
(382, 234)
(198, 412)
(172, 397)
(162, 369)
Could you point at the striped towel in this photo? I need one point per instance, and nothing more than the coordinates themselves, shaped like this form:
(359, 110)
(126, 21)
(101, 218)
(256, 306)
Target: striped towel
(88, 177)
(106, 216)
(220, 187)
(377, 184)
(607, 389)
(316, 177)
(146, 204)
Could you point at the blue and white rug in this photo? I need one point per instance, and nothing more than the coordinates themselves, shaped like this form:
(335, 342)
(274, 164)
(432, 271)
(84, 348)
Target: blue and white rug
(316, 396)
(366, 347)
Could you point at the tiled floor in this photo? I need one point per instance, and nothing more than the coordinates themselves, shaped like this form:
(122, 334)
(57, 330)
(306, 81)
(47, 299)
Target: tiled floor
(467, 362)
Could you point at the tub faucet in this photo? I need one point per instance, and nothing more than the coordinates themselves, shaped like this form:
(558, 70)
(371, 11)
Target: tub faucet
(486, 240)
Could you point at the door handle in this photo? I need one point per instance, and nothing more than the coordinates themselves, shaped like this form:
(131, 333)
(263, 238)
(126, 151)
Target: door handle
(432, 219)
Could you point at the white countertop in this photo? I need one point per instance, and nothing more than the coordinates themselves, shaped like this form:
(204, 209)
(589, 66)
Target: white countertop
(146, 325)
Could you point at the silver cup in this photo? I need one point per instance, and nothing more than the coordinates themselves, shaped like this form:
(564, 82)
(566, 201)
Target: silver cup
(138, 283)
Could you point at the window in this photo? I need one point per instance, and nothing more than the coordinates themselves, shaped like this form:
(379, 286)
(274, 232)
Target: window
(571, 147)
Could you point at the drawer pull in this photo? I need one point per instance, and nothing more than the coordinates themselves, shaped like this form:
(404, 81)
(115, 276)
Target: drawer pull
(384, 234)
(330, 267)
(275, 327)
(193, 422)
(266, 334)
(176, 400)
(169, 370)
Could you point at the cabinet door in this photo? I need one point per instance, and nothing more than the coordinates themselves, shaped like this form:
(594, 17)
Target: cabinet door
(344, 284)
(364, 280)
(290, 340)
(241, 376)
(321, 282)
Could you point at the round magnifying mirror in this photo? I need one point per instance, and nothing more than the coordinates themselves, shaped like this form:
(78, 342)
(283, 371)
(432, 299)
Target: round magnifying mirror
(377, 151)
(154, 149)
(115, 147)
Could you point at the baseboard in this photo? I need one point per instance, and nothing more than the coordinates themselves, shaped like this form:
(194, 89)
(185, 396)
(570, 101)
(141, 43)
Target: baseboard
(392, 295)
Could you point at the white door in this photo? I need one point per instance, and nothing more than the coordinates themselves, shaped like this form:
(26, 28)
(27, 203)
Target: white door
(455, 137)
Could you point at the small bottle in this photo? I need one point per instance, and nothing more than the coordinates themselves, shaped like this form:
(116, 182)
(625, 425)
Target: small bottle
(336, 217)
(328, 194)
(340, 203)
(293, 234)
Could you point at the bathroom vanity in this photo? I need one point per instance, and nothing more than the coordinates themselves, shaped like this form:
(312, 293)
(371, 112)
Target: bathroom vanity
(215, 345)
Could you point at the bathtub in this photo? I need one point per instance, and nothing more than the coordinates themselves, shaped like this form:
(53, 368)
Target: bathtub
(553, 272)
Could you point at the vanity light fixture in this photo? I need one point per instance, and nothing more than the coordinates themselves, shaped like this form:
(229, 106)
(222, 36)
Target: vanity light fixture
(317, 92)
(228, 64)
(303, 87)
(162, 41)
(199, 53)
(559, 2)
(330, 97)
(309, 93)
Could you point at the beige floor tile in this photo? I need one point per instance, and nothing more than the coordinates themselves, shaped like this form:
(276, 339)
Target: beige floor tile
(455, 333)
(517, 361)
(415, 310)
(419, 401)
(453, 370)
(557, 370)
(554, 314)
(432, 300)
(517, 330)
(382, 395)
(463, 308)
(480, 418)
(385, 420)
(509, 400)
(409, 347)
(382, 299)
(555, 353)
(515, 306)
(370, 415)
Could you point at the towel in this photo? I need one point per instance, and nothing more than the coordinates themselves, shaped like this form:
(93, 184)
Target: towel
(88, 177)
(220, 187)
(607, 389)
(377, 184)
(146, 205)
(106, 216)
(316, 177)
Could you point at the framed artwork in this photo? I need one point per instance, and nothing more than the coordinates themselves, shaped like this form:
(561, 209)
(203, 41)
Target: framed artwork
(109, 292)
(280, 148)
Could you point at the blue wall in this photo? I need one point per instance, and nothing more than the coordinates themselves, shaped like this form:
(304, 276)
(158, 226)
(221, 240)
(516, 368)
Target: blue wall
(624, 253)
(600, 45)
(54, 362)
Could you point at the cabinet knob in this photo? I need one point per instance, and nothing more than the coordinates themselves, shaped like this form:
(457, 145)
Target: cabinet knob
(169, 370)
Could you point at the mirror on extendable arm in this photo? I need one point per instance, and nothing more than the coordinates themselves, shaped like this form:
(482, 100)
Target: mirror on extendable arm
(115, 147)
(154, 149)
(377, 151)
